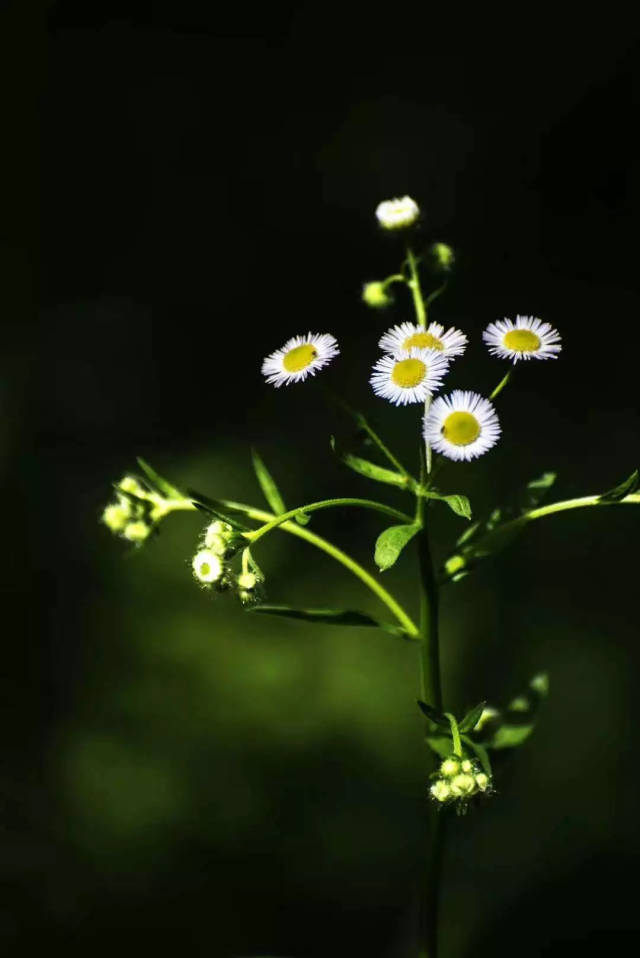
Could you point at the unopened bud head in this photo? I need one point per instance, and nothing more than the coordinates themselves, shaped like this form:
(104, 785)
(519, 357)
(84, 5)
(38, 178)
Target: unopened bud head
(443, 256)
(136, 531)
(440, 791)
(247, 581)
(207, 567)
(397, 214)
(375, 295)
(466, 766)
(116, 515)
(462, 785)
(131, 485)
(450, 766)
(482, 781)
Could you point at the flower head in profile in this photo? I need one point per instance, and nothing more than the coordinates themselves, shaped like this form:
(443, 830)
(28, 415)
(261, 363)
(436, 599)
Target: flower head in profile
(407, 335)
(409, 375)
(397, 214)
(527, 338)
(462, 425)
(300, 357)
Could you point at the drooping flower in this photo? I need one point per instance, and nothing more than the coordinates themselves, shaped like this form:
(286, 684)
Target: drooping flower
(462, 425)
(409, 376)
(450, 343)
(398, 213)
(300, 357)
(527, 338)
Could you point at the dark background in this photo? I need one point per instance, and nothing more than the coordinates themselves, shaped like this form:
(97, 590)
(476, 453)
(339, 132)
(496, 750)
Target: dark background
(183, 187)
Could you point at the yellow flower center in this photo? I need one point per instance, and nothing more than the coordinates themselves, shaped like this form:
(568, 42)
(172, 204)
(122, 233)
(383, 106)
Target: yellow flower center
(522, 341)
(408, 373)
(423, 341)
(299, 357)
(205, 568)
(461, 428)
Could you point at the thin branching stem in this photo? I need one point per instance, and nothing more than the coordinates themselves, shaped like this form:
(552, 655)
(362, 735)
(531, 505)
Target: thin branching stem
(256, 534)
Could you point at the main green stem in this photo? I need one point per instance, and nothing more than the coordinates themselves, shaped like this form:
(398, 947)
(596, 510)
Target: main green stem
(431, 691)
(430, 682)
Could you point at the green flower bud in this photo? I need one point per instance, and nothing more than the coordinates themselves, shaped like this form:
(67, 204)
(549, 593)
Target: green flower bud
(247, 581)
(450, 767)
(462, 784)
(116, 515)
(442, 256)
(440, 791)
(375, 295)
(131, 485)
(137, 531)
(482, 781)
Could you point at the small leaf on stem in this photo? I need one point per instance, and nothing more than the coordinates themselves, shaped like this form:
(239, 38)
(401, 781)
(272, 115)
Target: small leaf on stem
(391, 542)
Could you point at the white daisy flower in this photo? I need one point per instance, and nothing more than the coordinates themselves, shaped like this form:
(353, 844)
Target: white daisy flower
(397, 214)
(406, 335)
(527, 338)
(299, 357)
(409, 376)
(207, 567)
(462, 425)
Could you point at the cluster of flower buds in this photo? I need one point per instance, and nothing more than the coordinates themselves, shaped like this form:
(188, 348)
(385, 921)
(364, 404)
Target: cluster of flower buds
(458, 779)
(211, 565)
(130, 515)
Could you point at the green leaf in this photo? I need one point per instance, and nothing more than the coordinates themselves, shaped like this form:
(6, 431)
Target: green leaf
(518, 719)
(221, 510)
(624, 489)
(370, 469)
(328, 616)
(457, 503)
(440, 744)
(470, 720)
(498, 530)
(171, 492)
(268, 485)
(391, 542)
(434, 714)
(510, 736)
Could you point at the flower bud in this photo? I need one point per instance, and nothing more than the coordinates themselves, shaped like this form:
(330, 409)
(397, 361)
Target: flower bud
(482, 781)
(137, 531)
(450, 767)
(247, 581)
(397, 214)
(131, 485)
(442, 257)
(462, 785)
(116, 515)
(440, 791)
(375, 295)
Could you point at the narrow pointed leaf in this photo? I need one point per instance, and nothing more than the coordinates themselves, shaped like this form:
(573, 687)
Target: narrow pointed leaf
(470, 720)
(391, 542)
(434, 714)
(268, 484)
(328, 617)
(224, 511)
(171, 492)
(624, 489)
(370, 469)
